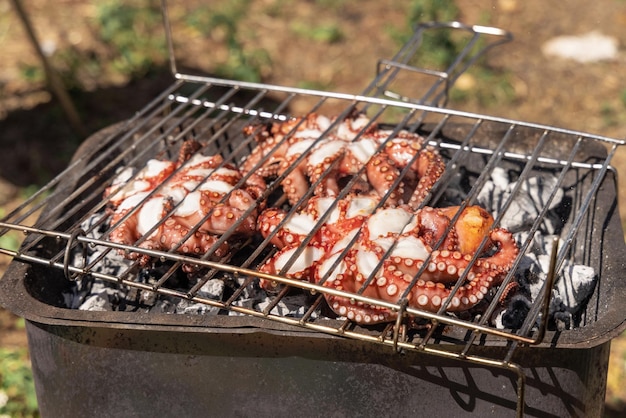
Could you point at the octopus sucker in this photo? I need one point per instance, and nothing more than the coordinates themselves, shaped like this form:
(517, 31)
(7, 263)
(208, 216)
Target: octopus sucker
(392, 289)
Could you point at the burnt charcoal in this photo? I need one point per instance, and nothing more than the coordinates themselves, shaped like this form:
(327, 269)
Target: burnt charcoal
(562, 321)
(212, 289)
(97, 302)
(248, 303)
(147, 298)
(164, 305)
(197, 309)
(574, 285)
(515, 312)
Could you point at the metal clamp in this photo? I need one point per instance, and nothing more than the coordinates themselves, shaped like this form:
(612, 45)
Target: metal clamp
(73, 276)
(404, 302)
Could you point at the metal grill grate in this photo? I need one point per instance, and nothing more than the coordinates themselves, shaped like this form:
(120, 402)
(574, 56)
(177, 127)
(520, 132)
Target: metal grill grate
(74, 221)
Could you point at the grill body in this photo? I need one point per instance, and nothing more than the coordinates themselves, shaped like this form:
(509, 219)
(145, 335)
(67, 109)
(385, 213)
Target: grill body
(148, 371)
(141, 364)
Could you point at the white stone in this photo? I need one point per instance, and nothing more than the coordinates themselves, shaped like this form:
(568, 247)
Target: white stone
(589, 47)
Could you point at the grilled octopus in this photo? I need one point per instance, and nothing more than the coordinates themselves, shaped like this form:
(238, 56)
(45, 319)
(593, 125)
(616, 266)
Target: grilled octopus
(378, 253)
(321, 152)
(184, 206)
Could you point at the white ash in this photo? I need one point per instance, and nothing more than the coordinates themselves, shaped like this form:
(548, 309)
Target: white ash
(212, 289)
(573, 287)
(99, 301)
(527, 204)
(93, 294)
(574, 283)
(255, 298)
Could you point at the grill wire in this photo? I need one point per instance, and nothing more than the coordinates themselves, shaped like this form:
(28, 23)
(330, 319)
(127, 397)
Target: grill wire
(214, 111)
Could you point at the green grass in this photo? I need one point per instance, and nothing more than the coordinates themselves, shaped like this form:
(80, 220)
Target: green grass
(328, 33)
(133, 31)
(440, 47)
(17, 388)
(243, 63)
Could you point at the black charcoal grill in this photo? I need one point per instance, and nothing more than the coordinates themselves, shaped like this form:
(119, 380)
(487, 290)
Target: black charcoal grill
(108, 336)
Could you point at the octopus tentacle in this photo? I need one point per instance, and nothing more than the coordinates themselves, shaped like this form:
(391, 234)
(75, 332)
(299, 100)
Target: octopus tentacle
(319, 164)
(187, 149)
(433, 224)
(426, 165)
(388, 239)
(291, 233)
(502, 260)
(429, 168)
(126, 184)
(430, 296)
(359, 312)
(382, 174)
(295, 184)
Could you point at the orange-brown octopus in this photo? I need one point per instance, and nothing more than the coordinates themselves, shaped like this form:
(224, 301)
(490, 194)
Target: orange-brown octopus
(378, 252)
(183, 206)
(321, 152)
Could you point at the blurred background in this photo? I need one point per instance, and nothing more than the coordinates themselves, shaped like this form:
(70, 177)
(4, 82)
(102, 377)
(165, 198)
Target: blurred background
(564, 68)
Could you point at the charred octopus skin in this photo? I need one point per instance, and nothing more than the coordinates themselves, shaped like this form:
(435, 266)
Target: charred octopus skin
(167, 200)
(320, 151)
(379, 252)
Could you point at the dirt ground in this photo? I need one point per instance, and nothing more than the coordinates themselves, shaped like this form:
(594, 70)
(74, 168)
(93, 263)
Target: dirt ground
(589, 97)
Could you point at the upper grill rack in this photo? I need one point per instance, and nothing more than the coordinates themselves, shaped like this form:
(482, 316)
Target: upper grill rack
(73, 218)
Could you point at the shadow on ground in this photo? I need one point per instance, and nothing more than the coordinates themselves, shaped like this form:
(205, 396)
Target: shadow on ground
(41, 140)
